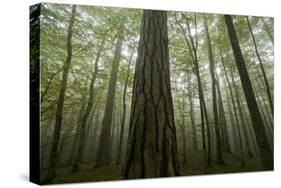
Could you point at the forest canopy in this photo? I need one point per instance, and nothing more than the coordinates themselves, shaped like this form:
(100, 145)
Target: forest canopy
(129, 93)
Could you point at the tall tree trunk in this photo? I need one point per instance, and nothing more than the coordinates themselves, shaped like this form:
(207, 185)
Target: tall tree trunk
(104, 149)
(234, 109)
(242, 117)
(264, 147)
(78, 124)
(152, 147)
(234, 130)
(214, 95)
(182, 122)
(222, 119)
(68, 128)
(120, 148)
(269, 96)
(191, 113)
(59, 111)
(94, 141)
(203, 110)
(82, 132)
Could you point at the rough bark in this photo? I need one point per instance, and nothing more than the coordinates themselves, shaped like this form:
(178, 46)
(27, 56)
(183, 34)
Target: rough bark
(59, 110)
(152, 147)
(264, 147)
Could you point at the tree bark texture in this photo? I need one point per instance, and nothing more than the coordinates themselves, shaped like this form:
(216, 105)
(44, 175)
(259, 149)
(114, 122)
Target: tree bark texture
(152, 147)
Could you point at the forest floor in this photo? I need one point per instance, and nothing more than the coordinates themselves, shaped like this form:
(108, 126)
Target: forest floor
(192, 166)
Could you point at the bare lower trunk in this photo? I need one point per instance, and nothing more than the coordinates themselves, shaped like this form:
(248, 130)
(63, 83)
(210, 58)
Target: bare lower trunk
(264, 147)
(104, 149)
(152, 147)
(59, 111)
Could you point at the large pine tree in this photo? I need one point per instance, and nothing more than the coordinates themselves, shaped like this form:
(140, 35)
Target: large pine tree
(152, 148)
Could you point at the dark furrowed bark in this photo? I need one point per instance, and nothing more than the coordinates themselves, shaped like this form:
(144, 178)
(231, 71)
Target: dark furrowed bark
(152, 147)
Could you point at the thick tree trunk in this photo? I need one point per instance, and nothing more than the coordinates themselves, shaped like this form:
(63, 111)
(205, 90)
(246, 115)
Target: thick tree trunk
(59, 111)
(152, 147)
(104, 149)
(268, 92)
(82, 132)
(214, 95)
(120, 147)
(264, 147)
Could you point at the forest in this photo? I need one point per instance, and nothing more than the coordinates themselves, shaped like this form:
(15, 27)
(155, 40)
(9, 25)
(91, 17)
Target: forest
(129, 94)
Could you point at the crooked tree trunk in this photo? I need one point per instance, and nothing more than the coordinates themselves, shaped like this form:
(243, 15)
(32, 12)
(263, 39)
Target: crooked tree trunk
(152, 147)
(264, 147)
(268, 92)
(219, 159)
(104, 148)
(59, 111)
(82, 132)
(120, 147)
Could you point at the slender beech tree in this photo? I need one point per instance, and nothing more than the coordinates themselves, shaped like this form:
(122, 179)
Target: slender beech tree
(219, 150)
(104, 148)
(264, 147)
(193, 46)
(191, 113)
(73, 149)
(152, 147)
(121, 139)
(234, 106)
(268, 92)
(222, 118)
(82, 131)
(51, 174)
(181, 120)
(243, 122)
